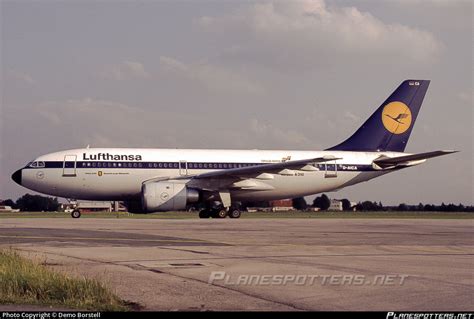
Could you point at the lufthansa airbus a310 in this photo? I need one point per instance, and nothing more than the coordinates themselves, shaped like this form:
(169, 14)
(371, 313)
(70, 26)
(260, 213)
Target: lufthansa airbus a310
(150, 180)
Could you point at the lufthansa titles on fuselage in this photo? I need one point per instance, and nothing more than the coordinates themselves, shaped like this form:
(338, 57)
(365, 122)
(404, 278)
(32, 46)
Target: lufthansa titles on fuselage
(110, 157)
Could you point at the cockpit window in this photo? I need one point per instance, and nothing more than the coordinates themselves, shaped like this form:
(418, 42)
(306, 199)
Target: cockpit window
(38, 164)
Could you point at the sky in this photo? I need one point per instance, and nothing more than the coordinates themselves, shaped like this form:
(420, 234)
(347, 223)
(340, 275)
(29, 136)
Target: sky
(295, 75)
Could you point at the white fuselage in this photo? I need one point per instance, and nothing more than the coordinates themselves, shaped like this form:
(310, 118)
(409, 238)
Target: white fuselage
(118, 173)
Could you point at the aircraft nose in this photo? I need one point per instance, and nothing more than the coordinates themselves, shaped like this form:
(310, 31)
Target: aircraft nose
(17, 177)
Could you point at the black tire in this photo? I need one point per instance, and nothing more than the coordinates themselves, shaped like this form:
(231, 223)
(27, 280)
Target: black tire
(204, 214)
(234, 213)
(76, 214)
(221, 213)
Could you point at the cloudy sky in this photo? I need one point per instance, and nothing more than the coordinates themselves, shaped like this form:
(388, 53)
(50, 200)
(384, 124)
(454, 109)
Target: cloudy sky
(235, 74)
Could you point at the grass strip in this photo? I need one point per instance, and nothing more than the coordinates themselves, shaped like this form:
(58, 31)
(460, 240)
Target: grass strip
(24, 281)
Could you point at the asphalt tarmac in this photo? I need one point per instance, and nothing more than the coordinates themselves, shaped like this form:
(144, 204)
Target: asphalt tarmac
(262, 264)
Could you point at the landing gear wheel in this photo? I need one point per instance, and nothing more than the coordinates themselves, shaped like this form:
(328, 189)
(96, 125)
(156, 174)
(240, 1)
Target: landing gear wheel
(234, 213)
(204, 214)
(221, 213)
(75, 214)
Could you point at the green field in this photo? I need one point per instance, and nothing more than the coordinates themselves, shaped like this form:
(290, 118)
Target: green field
(247, 215)
(24, 281)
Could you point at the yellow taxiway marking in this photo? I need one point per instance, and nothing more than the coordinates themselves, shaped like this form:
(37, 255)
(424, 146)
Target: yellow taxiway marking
(102, 238)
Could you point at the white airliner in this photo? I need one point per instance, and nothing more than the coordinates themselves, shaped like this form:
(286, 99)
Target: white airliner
(150, 180)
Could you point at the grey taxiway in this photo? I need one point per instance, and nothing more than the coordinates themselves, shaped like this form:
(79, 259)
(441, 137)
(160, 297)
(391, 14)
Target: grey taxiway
(262, 264)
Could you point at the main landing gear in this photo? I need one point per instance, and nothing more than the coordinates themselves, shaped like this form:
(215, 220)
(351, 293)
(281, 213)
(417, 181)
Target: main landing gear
(220, 213)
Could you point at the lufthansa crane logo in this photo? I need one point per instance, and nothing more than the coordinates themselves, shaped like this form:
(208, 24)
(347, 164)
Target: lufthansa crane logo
(164, 196)
(396, 117)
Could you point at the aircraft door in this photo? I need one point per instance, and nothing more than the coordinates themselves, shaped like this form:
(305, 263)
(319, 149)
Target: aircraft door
(330, 169)
(183, 168)
(69, 165)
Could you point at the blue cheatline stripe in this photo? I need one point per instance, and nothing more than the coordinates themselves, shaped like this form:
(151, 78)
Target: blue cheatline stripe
(190, 165)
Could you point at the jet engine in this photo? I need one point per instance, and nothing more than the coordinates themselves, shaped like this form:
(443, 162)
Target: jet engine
(167, 195)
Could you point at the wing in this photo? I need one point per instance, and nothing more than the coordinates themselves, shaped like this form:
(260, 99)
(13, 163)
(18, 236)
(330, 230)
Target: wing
(408, 160)
(252, 177)
(253, 171)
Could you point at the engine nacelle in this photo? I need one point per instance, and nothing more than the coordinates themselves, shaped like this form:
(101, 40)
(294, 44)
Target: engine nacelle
(167, 195)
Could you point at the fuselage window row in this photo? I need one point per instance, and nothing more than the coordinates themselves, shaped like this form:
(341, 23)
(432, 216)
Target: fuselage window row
(158, 165)
(164, 165)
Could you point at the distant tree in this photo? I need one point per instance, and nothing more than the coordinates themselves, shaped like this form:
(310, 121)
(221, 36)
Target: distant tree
(368, 206)
(346, 204)
(452, 208)
(37, 203)
(9, 202)
(380, 206)
(429, 208)
(322, 202)
(403, 207)
(299, 203)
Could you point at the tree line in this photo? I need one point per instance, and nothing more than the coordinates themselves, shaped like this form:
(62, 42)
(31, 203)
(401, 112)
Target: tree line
(323, 202)
(34, 203)
(29, 202)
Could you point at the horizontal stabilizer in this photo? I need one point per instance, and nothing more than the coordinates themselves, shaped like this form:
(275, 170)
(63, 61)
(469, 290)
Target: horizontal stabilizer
(384, 162)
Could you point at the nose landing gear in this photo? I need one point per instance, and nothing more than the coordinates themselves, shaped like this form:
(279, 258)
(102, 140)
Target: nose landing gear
(76, 213)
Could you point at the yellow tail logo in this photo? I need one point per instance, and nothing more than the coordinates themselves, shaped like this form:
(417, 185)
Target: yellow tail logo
(396, 117)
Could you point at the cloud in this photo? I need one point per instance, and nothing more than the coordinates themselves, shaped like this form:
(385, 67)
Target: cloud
(440, 3)
(466, 96)
(101, 121)
(304, 31)
(266, 133)
(22, 77)
(213, 77)
(124, 71)
(351, 116)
